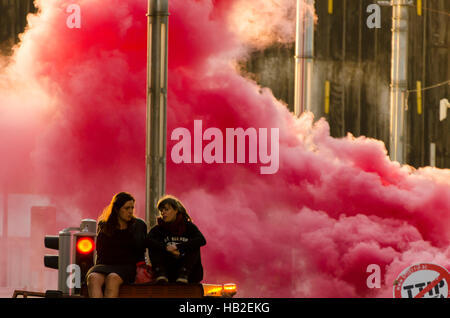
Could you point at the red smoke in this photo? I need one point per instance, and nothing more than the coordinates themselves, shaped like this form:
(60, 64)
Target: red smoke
(74, 127)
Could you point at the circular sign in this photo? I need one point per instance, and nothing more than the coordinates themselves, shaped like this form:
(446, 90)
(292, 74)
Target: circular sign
(423, 281)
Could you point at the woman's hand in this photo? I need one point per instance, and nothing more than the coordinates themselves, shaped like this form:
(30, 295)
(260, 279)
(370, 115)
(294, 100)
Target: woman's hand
(176, 253)
(172, 248)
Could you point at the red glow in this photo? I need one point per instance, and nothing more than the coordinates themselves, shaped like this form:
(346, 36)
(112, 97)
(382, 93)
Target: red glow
(85, 245)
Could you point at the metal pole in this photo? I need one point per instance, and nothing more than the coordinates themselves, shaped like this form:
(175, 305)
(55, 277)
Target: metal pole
(5, 214)
(4, 271)
(432, 154)
(298, 94)
(424, 81)
(344, 56)
(399, 79)
(360, 27)
(304, 55)
(157, 57)
(64, 259)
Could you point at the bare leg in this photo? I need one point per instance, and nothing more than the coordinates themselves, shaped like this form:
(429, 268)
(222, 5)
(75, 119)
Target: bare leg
(113, 282)
(95, 283)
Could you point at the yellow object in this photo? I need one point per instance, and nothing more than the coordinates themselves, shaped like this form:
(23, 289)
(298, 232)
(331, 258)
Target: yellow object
(419, 97)
(327, 97)
(419, 7)
(215, 290)
(330, 6)
(212, 290)
(229, 288)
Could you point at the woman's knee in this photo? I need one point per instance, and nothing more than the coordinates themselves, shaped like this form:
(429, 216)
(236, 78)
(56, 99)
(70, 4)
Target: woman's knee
(95, 279)
(113, 279)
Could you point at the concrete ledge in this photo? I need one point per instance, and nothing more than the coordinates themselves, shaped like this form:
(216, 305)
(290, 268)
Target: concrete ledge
(151, 290)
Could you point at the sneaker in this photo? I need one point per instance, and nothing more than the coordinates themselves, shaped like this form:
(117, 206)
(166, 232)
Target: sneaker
(183, 277)
(182, 280)
(161, 279)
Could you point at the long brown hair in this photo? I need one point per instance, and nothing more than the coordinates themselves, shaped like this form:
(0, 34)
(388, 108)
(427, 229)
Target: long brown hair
(108, 221)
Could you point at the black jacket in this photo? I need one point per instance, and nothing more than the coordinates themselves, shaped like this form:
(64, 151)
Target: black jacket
(123, 246)
(139, 230)
(191, 240)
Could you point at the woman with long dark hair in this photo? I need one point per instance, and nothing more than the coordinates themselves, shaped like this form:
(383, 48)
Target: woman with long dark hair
(120, 246)
(174, 244)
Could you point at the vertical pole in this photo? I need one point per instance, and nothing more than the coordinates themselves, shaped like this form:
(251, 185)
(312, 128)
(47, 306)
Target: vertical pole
(344, 56)
(376, 130)
(360, 27)
(327, 97)
(419, 7)
(299, 67)
(399, 81)
(432, 154)
(64, 260)
(4, 268)
(5, 215)
(424, 74)
(419, 97)
(304, 55)
(309, 53)
(157, 47)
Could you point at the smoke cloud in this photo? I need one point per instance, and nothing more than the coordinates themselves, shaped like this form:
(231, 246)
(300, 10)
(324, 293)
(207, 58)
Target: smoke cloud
(72, 125)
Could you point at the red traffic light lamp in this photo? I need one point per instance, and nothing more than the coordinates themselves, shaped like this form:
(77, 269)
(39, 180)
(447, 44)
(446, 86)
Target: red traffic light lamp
(85, 245)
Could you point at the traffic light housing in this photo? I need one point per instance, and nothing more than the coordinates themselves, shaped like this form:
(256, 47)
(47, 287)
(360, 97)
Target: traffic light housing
(62, 260)
(84, 252)
(51, 241)
(76, 254)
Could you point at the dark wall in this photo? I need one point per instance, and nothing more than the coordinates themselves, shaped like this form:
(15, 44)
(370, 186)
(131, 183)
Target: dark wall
(356, 61)
(436, 55)
(13, 21)
(274, 68)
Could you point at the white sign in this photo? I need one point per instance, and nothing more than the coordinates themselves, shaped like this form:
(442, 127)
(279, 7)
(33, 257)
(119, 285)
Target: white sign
(423, 281)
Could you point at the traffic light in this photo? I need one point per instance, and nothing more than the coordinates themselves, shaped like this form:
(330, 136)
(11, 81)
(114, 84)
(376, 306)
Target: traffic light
(51, 241)
(75, 255)
(84, 253)
(84, 250)
(62, 260)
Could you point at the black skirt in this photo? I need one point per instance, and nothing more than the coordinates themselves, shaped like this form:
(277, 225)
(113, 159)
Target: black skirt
(126, 272)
